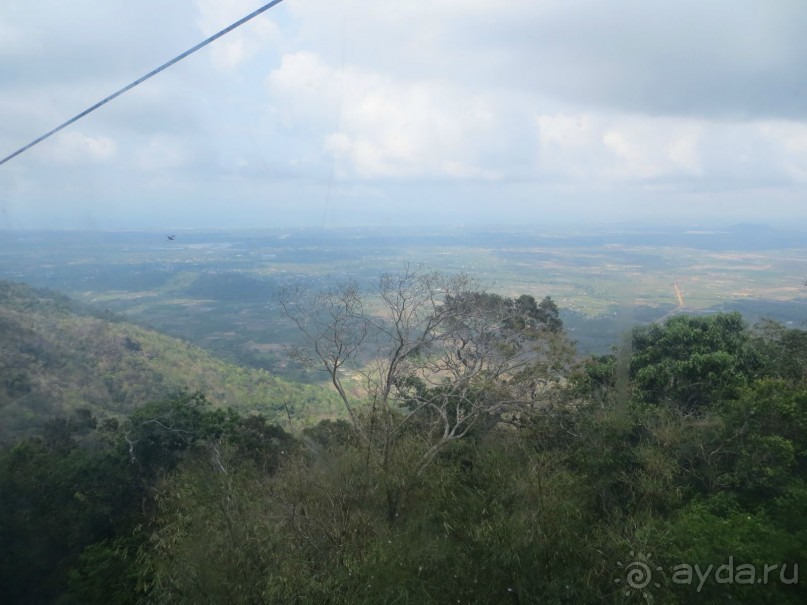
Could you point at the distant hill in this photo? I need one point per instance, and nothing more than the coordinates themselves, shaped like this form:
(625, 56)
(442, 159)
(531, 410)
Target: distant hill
(57, 356)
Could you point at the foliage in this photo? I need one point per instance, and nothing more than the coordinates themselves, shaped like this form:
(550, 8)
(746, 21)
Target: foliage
(784, 350)
(56, 498)
(76, 505)
(56, 358)
(692, 362)
(449, 354)
(685, 447)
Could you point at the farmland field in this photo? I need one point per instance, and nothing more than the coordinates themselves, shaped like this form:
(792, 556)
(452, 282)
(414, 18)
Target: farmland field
(218, 289)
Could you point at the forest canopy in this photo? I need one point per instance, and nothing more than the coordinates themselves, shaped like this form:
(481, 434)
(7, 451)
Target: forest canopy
(480, 462)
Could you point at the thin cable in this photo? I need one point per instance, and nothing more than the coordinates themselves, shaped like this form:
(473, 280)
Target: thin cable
(176, 59)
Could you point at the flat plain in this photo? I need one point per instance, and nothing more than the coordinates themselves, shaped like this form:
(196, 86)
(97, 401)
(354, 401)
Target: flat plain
(218, 289)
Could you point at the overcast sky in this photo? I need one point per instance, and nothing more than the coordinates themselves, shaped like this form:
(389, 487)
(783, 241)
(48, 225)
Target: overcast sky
(380, 112)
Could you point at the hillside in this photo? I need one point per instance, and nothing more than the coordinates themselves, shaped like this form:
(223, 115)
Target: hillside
(681, 454)
(57, 356)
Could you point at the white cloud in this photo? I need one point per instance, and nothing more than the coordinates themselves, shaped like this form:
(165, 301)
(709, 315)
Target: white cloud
(13, 40)
(651, 148)
(377, 126)
(605, 147)
(161, 153)
(607, 103)
(621, 147)
(791, 140)
(76, 148)
(684, 58)
(229, 52)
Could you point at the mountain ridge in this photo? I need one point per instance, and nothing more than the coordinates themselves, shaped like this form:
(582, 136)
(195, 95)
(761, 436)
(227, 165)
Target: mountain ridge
(57, 356)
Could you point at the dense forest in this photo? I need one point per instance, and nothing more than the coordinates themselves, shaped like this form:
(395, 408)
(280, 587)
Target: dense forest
(482, 462)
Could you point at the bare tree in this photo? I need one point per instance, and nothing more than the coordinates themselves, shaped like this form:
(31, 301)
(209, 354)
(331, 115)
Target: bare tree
(334, 326)
(429, 341)
(437, 355)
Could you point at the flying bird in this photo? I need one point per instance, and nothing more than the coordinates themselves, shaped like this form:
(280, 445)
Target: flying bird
(171, 237)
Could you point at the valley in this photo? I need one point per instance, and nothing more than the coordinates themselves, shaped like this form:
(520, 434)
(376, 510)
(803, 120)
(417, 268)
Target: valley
(218, 289)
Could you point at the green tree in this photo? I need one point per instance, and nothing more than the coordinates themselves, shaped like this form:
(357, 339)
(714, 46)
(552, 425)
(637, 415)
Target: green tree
(437, 358)
(783, 350)
(58, 497)
(693, 362)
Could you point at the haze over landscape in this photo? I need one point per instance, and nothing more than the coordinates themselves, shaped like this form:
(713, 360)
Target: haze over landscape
(404, 302)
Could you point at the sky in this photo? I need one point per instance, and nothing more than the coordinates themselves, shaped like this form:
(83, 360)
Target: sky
(334, 113)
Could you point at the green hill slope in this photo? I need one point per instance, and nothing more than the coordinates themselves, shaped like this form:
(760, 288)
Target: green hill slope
(56, 357)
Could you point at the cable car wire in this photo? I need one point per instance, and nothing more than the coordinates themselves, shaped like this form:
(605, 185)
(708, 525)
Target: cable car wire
(151, 74)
